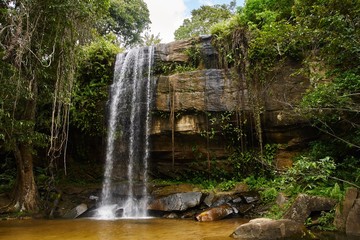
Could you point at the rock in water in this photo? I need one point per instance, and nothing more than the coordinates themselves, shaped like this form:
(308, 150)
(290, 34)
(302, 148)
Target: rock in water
(266, 229)
(215, 213)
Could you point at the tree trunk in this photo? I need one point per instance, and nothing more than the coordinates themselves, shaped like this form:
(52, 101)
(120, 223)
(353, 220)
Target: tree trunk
(25, 195)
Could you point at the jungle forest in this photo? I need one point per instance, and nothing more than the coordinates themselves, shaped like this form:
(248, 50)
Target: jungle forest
(57, 66)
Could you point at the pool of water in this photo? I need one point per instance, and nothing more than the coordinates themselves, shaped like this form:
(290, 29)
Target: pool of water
(129, 229)
(118, 229)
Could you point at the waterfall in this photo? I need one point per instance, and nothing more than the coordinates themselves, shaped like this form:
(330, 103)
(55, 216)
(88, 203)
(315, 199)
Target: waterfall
(127, 152)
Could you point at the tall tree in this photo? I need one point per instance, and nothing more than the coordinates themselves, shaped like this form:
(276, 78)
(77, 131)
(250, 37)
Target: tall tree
(127, 19)
(202, 19)
(39, 40)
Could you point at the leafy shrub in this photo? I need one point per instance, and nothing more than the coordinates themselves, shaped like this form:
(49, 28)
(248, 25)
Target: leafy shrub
(309, 172)
(269, 194)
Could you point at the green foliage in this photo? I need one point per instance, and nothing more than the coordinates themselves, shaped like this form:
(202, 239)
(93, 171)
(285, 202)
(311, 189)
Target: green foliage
(226, 125)
(7, 174)
(269, 194)
(202, 19)
(259, 13)
(227, 185)
(333, 101)
(91, 92)
(329, 28)
(127, 19)
(310, 172)
(324, 223)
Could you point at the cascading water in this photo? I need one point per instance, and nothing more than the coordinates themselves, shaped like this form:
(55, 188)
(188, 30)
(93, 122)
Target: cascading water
(125, 178)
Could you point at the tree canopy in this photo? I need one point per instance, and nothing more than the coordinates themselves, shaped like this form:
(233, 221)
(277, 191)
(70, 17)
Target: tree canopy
(127, 19)
(202, 19)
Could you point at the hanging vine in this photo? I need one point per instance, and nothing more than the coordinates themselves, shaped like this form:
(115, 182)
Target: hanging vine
(233, 48)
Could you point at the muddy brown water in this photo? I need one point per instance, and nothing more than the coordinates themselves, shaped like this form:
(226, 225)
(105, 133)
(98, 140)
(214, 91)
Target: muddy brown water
(140, 229)
(143, 229)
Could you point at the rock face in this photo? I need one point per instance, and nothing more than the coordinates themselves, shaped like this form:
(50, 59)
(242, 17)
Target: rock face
(176, 202)
(268, 229)
(304, 205)
(190, 96)
(347, 217)
(77, 211)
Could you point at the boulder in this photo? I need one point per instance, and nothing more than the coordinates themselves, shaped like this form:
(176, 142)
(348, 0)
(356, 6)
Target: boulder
(77, 211)
(304, 205)
(353, 219)
(343, 209)
(266, 229)
(215, 213)
(176, 202)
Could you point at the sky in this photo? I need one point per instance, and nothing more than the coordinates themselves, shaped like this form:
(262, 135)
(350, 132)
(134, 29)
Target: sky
(168, 15)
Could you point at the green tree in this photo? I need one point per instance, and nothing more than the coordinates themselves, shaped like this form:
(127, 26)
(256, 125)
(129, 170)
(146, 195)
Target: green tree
(260, 12)
(202, 19)
(94, 75)
(39, 42)
(329, 30)
(127, 19)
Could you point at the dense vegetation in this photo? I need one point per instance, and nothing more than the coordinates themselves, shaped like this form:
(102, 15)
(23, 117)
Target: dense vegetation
(324, 37)
(51, 68)
(45, 50)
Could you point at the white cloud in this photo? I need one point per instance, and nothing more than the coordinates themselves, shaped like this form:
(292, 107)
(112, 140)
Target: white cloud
(166, 16)
(206, 2)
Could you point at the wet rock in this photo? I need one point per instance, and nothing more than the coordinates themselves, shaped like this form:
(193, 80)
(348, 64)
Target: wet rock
(210, 55)
(176, 202)
(171, 216)
(77, 211)
(304, 205)
(263, 228)
(215, 213)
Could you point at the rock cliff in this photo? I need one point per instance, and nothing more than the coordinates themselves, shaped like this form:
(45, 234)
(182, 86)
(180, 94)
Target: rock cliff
(188, 102)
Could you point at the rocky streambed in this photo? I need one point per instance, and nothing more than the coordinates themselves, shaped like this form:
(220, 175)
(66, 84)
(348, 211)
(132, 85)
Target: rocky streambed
(185, 201)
